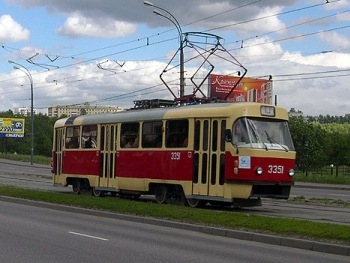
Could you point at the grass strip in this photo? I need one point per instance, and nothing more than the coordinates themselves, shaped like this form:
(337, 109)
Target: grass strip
(230, 219)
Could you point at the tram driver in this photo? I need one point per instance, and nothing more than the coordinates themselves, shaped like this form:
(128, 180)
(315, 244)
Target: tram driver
(240, 135)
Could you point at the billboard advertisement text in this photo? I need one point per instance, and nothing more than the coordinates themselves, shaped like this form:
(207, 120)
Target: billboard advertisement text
(11, 128)
(249, 89)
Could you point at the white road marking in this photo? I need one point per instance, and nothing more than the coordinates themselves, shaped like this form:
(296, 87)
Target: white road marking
(84, 235)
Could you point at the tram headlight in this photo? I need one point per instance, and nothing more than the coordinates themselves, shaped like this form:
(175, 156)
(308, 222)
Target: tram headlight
(291, 172)
(235, 167)
(259, 171)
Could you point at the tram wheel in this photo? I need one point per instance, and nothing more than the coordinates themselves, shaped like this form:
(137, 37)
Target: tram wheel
(97, 193)
(76, 186)
(161, 193)
(191, 202)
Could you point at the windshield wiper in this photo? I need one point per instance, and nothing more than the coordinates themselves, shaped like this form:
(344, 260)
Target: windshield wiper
(268, 137)
(274, 141)
(256, 134)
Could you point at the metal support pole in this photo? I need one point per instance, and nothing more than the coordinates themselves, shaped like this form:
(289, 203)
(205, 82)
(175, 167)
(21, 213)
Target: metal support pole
(176, 23)
(26, 71)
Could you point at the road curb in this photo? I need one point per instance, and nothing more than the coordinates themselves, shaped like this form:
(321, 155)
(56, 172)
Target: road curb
(338, 249)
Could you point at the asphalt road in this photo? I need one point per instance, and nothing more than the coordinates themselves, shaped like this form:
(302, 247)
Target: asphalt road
(39, 177)
(40, 234)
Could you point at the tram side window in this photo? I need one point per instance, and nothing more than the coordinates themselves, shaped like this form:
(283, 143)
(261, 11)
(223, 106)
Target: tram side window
(222, 137)
(129, 135)
(73, 137)
(197, 133)
(89, 139)
(152, 134)
(177, 134)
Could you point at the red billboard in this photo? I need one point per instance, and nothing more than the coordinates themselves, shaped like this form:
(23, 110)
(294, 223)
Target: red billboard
(248, 89)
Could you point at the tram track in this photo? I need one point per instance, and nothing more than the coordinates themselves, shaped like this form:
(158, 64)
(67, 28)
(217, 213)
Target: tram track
(314, 212)
(23, 164)
(273, 208)
(26, 178)
(38, 177)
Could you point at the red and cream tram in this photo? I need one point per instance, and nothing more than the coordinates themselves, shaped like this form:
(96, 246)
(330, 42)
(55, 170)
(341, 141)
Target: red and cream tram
(233, 153)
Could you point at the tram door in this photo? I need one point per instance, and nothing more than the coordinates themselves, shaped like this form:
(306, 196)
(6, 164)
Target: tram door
(209, 156)
(59, 141)
(107, 154)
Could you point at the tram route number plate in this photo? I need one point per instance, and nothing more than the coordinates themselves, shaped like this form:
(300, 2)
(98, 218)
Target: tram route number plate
(275, 169)
(175, 156)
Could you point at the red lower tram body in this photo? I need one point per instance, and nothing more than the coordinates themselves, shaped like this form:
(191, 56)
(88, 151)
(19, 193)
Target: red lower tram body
(194, 176)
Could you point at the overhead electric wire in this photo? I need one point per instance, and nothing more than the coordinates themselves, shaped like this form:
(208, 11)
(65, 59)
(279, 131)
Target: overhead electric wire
(221, 13)
(292, 26)
(302, 35)
(132, 41)
(131, 49)
(269, 16)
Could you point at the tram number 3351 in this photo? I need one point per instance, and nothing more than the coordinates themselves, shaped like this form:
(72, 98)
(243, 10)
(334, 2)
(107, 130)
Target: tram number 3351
(275, 169)
(175, 156)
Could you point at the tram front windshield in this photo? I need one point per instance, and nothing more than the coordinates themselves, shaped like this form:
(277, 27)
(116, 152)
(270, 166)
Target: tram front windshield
(262, 133)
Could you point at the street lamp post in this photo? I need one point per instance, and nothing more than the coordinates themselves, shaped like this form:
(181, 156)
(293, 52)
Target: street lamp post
(173, 20)
(26, 71)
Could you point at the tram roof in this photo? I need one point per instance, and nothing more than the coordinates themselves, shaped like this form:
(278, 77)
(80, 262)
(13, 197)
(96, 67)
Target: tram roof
(188, 111)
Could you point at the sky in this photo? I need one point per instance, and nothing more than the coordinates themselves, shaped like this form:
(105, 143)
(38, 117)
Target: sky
(112, 52)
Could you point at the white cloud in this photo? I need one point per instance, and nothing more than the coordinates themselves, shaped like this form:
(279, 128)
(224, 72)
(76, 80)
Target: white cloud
(314, 96)
(331, 59)
(260, 47)
(344, 16)
(86, 83)
(78, 25)
(264, 21)
(337, 4)
(28, 52)
(335, 40)
(12, 31)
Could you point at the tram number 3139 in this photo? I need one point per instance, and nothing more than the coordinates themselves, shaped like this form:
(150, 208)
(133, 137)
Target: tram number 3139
(175, 156)
(275, 169)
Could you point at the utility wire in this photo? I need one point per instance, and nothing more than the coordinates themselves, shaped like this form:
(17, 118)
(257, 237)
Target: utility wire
(144, 38)
(131, 49)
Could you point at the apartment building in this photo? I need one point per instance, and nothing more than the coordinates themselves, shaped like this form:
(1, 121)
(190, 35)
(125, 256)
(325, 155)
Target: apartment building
(59, 110)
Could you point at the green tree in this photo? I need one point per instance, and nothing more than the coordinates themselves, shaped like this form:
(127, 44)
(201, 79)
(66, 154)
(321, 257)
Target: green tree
(43, 136)
(321, 141)
(309, 142)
